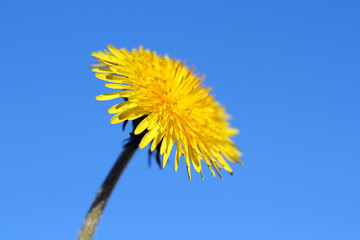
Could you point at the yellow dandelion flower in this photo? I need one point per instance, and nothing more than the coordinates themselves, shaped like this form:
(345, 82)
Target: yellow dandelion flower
(175, 109)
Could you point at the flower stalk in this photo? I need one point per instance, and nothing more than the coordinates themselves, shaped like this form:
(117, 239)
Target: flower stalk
(97, 207)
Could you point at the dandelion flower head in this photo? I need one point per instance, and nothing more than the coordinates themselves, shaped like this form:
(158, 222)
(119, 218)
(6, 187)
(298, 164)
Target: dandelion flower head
(177, 111)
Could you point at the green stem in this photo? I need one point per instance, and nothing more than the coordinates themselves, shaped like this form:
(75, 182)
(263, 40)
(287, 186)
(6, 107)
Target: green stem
(97, 207)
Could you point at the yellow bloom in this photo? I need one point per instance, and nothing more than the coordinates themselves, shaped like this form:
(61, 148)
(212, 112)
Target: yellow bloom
(176, 107)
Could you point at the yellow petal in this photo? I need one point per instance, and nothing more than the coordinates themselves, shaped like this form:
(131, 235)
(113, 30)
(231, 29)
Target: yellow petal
(168, 150)
(195, 160)
(114, 50)
(121, 107)
(207, 161)
(157, 140)
(222, 161)
(117, 86)
(187, 160)
(141, 126)
(228, 157)
(101, 70)
(215, 162)
(177, 156)
(109, 96)
(100, 55)
(112, 78)
(164, 143)
(128, 114)
(231, 131)
(217, 171)
(149, 136)
(120, 70)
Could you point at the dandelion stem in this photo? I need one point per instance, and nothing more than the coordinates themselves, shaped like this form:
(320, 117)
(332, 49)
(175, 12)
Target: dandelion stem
(97, 207)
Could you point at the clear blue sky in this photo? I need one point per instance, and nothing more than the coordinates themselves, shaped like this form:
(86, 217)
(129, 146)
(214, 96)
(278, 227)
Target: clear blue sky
(288, 72)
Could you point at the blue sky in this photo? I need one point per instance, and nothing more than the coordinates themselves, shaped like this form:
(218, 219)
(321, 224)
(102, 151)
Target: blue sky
(287, 71)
